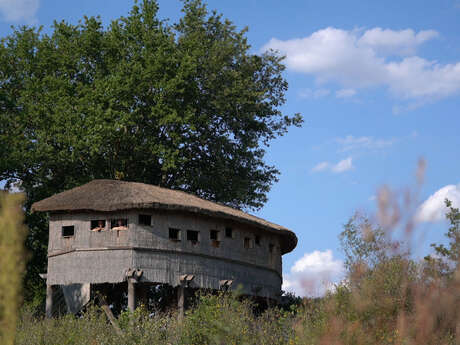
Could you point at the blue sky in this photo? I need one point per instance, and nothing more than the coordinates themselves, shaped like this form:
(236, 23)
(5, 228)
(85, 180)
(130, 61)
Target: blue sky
(378, 84)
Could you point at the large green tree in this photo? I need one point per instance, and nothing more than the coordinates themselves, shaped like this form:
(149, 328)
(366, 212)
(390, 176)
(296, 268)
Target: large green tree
(183, 105)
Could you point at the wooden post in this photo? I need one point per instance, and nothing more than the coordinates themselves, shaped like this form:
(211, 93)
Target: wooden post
(133, 276)
(49, 300)
(181, 301)
(184, 283)
(131, 294)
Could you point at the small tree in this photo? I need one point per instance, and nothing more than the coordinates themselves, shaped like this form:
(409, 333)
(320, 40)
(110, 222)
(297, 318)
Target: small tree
(380, 280)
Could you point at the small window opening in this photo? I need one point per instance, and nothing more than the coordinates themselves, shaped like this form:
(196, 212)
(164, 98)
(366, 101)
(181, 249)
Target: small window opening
(68, 231)
(174, 234)
(192, 235)
(145, 219)
(247, 243)
(119, 224)
(257, 240)
(214, 235)
(271, 247)
(98, 225)
(229, 232)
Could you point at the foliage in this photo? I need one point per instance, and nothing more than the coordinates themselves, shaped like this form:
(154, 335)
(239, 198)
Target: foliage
(184, 105)
(215, 320)
(379, 286)
(386, 299)
(446, 260)
(289, 301)
(12, 262)
(364, 243)
(218, 319)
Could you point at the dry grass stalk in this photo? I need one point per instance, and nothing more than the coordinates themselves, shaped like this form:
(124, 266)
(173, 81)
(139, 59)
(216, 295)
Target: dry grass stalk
(12, 263)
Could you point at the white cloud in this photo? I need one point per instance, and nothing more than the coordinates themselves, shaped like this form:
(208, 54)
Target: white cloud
(376, 57)
(345, 93)
(351, 142)
(313, 274)
(314, 94)
(341, 166)
(390, 42)
(19, 10)
(415, 77)
(320, 167)
(344, 165)
(434, 209)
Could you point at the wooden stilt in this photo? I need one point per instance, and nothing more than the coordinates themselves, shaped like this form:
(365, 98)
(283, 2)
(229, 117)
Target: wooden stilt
(184, 282)
(49, 301)
(131, 294)
(181, 301)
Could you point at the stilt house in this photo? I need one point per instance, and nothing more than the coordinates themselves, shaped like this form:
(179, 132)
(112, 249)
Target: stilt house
(138, 235)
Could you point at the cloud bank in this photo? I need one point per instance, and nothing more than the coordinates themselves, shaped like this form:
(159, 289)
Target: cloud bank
(19, 10)
(377, 57)
(313, 274)
(434, 209)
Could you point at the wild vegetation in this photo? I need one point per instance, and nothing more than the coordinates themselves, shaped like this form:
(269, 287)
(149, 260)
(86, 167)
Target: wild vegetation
(386, 298)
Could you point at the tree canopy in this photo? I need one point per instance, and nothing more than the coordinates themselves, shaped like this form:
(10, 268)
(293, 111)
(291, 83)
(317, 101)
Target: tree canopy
(183, 105)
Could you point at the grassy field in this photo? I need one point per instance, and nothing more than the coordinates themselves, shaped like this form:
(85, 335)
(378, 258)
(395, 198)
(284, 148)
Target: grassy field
(388, 297)
(375, 315)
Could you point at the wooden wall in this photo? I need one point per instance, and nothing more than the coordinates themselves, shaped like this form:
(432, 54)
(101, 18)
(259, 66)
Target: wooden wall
(99, 257)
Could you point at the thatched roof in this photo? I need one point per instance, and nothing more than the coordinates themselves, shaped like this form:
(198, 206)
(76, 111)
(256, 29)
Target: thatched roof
(114, 195)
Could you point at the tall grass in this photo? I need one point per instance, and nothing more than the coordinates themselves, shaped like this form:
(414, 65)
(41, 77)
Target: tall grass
(387, 298)
(221, 319)
(12, 263)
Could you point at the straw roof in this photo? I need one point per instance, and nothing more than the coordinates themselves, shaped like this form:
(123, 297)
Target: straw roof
(115, 195)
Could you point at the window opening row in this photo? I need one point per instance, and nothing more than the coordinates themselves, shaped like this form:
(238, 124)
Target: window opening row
(174, 233)
(214, 236)
(98, 225)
